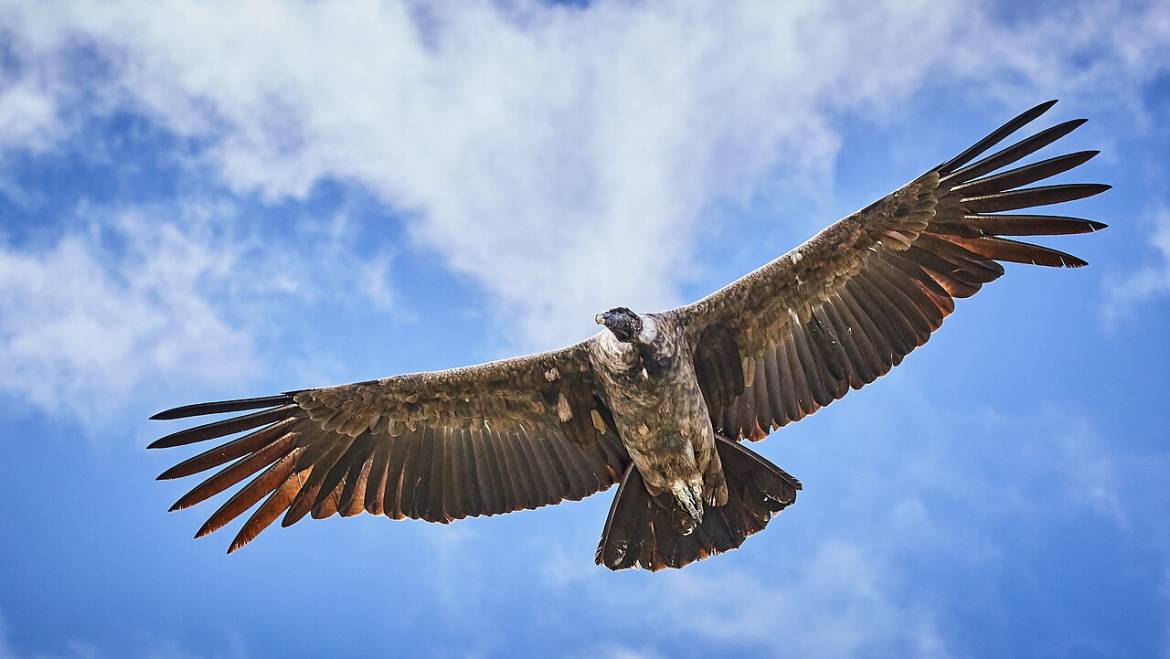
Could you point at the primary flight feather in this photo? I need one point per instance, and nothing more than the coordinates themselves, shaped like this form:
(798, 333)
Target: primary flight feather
(657, 402)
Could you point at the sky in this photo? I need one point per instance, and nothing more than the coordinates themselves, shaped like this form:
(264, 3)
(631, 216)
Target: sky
(208, 200)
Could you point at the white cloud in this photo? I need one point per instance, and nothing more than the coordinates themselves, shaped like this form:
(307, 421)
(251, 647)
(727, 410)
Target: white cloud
(27, 114)
(161, 296)
(1152, 280)
(564, 157)
(81, 324)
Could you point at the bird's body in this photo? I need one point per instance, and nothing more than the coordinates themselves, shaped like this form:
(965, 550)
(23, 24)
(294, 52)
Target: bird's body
(651, 387)
(660, 403)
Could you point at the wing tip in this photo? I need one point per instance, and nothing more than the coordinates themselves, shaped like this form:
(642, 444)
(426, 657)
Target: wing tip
(223, 406)
(167, 475)
(161, 442)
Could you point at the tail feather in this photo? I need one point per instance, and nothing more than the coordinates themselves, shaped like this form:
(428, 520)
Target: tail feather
(638, 532)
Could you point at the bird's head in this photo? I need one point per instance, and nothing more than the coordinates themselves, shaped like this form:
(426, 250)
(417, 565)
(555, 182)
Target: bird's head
(625, 324)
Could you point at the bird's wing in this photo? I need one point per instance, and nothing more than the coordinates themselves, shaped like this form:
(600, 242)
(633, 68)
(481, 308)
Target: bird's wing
(481, 440)
(843, 308)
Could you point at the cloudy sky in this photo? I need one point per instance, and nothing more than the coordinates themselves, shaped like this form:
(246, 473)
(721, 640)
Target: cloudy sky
(201, 200)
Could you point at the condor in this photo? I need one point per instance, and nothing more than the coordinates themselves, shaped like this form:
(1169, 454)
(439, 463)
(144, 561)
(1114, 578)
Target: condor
(658, 402)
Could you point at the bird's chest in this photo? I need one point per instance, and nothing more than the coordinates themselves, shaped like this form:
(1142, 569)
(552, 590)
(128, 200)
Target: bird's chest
(653, 393)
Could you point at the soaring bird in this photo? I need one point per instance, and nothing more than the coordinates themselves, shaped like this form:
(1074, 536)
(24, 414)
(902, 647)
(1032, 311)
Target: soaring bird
(658, 402)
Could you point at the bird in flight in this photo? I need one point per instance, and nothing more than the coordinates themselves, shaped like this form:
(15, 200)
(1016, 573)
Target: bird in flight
(657, 402)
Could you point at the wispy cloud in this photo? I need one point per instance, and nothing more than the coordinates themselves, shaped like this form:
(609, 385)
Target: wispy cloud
(562, 156)
(1149, 281)
(83, 322)
(161, 296)
(565, 160)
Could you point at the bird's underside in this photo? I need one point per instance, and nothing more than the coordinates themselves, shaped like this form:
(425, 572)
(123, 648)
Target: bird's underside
(665, 420)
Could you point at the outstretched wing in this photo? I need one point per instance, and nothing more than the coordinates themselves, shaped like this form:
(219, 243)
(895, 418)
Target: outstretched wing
(843, 308)
(482, 440)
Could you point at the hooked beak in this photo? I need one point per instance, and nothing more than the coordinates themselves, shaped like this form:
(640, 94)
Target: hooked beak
(600, 319)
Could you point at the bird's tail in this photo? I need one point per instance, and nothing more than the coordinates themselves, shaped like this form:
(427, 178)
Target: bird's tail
(638, 532)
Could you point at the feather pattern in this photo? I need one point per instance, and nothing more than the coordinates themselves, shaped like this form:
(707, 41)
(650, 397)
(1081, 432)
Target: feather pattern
(883, 279)
(834, 314)
(436, 446)
(638, 532)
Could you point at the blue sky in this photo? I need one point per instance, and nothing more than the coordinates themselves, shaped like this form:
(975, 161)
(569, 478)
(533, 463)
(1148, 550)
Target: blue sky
(205, 200)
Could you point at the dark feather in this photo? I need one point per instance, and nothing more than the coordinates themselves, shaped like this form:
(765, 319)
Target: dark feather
(1027, 197)
(247, 497)
(400, 447)
(376, 485)
(995, 137)
(237, 472)
(638, 532)
(1024, 175)
(307, 498)
(973, 226)
(812, 372)
(1003, 249)
(227, 452)
(219, 407)
(1013, 153)
(416, 491)
(222, 428)
(927, 283)
(859, 372)
(352, 499)
(718, 367)
(358, 451)
(273, 507)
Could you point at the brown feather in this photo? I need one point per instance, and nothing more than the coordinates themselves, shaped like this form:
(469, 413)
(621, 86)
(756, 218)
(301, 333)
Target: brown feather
(1043, 195)
(1024, 175)
(227, 452)
(353, 500)
(1010, 250)
(487, 472)
(273, 507)
(995, 137)
(376, 486)
(237, 472)
(307, 497)
(780, 386)
(222, 406)
(222, 428)
(1021, 149)
(247, 497)
(858, 368)
(973, 226)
